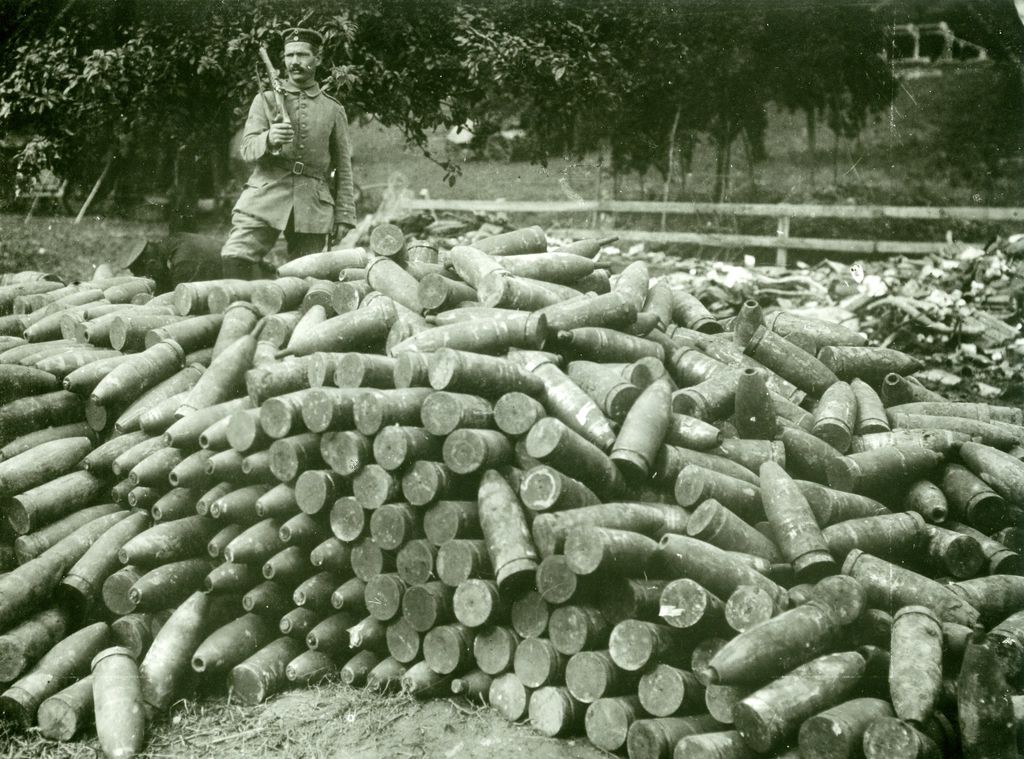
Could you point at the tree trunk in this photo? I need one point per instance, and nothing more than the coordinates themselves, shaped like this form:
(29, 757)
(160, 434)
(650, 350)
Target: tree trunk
(579, 148)
(835, 159)
(96, 187)
(671, 162)
(726, 180)
(748, 153)
(689, 148)
(716, 193)
(721, 143)
(812, 141)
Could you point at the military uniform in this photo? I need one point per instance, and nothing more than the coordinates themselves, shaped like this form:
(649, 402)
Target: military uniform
(291, 188)
(180, 257)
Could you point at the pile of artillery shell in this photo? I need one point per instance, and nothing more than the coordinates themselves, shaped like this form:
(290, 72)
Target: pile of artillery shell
(499, 472)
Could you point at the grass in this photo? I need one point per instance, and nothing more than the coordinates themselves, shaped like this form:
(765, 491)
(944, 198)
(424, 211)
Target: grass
(331, 720)
(56, 244)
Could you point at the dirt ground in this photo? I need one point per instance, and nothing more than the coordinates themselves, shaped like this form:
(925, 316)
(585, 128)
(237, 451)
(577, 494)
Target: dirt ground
(329, 721)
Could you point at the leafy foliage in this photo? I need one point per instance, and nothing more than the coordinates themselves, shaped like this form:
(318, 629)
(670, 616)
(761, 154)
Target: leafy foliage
(164, 85)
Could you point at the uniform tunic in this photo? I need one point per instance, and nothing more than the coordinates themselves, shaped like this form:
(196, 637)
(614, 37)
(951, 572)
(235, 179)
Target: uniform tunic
(181, 257)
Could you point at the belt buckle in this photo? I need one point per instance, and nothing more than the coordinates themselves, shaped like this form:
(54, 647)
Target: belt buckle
(298, 167)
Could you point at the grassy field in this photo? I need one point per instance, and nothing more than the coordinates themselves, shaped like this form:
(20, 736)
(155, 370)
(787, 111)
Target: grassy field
(56, 244)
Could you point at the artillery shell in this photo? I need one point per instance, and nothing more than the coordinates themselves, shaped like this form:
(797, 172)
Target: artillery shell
(117, 699)
(403, 643)
(356, 670)
(713, 523)
(477, 603)
(839, 731)
(509, 544)
(510, 697)
(80, 523)
(835, 416)
(928, 500)
(383, 596)
(971, 500)
(263, 673)
(634, 643)
(553, 711)
(793, 637)
(448, 649)
(607, 721)
(665, 691)
(613, 395)
(915, 668)
(956, 554)
(643, 430)
(754, 410)
(768, 715)
(164, 587)
(553, 443)
(695, 485)
(719, 571)
(415, 561)
(890, 587)
(84, 581)
(895, 537)
(657, 738)
(871, 416)
(878, 471)
(984, 707)
(591, 549)
(64, 714)
(460, 559)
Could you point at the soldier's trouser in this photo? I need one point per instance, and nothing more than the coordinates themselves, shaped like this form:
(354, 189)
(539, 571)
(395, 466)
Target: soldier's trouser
(251, 239)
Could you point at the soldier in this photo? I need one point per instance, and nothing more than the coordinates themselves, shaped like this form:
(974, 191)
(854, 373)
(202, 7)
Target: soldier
(179, 257)
(291, 188)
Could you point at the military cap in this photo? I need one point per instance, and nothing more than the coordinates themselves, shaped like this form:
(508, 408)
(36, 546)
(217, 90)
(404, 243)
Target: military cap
(297, 34)
(133, 254)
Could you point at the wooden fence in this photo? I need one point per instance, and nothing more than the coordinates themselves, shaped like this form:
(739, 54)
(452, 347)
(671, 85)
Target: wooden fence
(784, 213)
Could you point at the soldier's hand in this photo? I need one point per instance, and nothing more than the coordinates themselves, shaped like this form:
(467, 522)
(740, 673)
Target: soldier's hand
(338, 233)
(280, 134)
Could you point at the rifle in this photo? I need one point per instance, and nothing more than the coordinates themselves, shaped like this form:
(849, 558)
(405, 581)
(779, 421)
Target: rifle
(260, 89)
(275, 85)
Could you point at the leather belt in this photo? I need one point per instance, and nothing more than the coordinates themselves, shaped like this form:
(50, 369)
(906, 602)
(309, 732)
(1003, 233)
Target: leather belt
(300, 169)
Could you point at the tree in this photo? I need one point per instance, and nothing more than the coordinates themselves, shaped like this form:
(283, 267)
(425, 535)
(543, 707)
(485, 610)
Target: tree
(835, 72)
(163, 85)
(637, 76)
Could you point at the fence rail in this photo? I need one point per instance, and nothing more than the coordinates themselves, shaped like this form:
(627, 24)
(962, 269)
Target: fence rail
(783, 241)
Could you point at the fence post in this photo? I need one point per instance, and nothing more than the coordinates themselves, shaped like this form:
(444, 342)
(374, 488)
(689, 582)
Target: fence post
(782, 231)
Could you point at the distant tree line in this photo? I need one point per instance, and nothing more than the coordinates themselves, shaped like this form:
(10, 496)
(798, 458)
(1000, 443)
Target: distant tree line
(164, 85)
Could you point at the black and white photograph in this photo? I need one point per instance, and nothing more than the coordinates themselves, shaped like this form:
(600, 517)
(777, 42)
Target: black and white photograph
(537, 379)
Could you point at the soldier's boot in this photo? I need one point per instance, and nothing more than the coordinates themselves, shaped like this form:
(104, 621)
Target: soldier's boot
(264, 270)
(235, 267)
